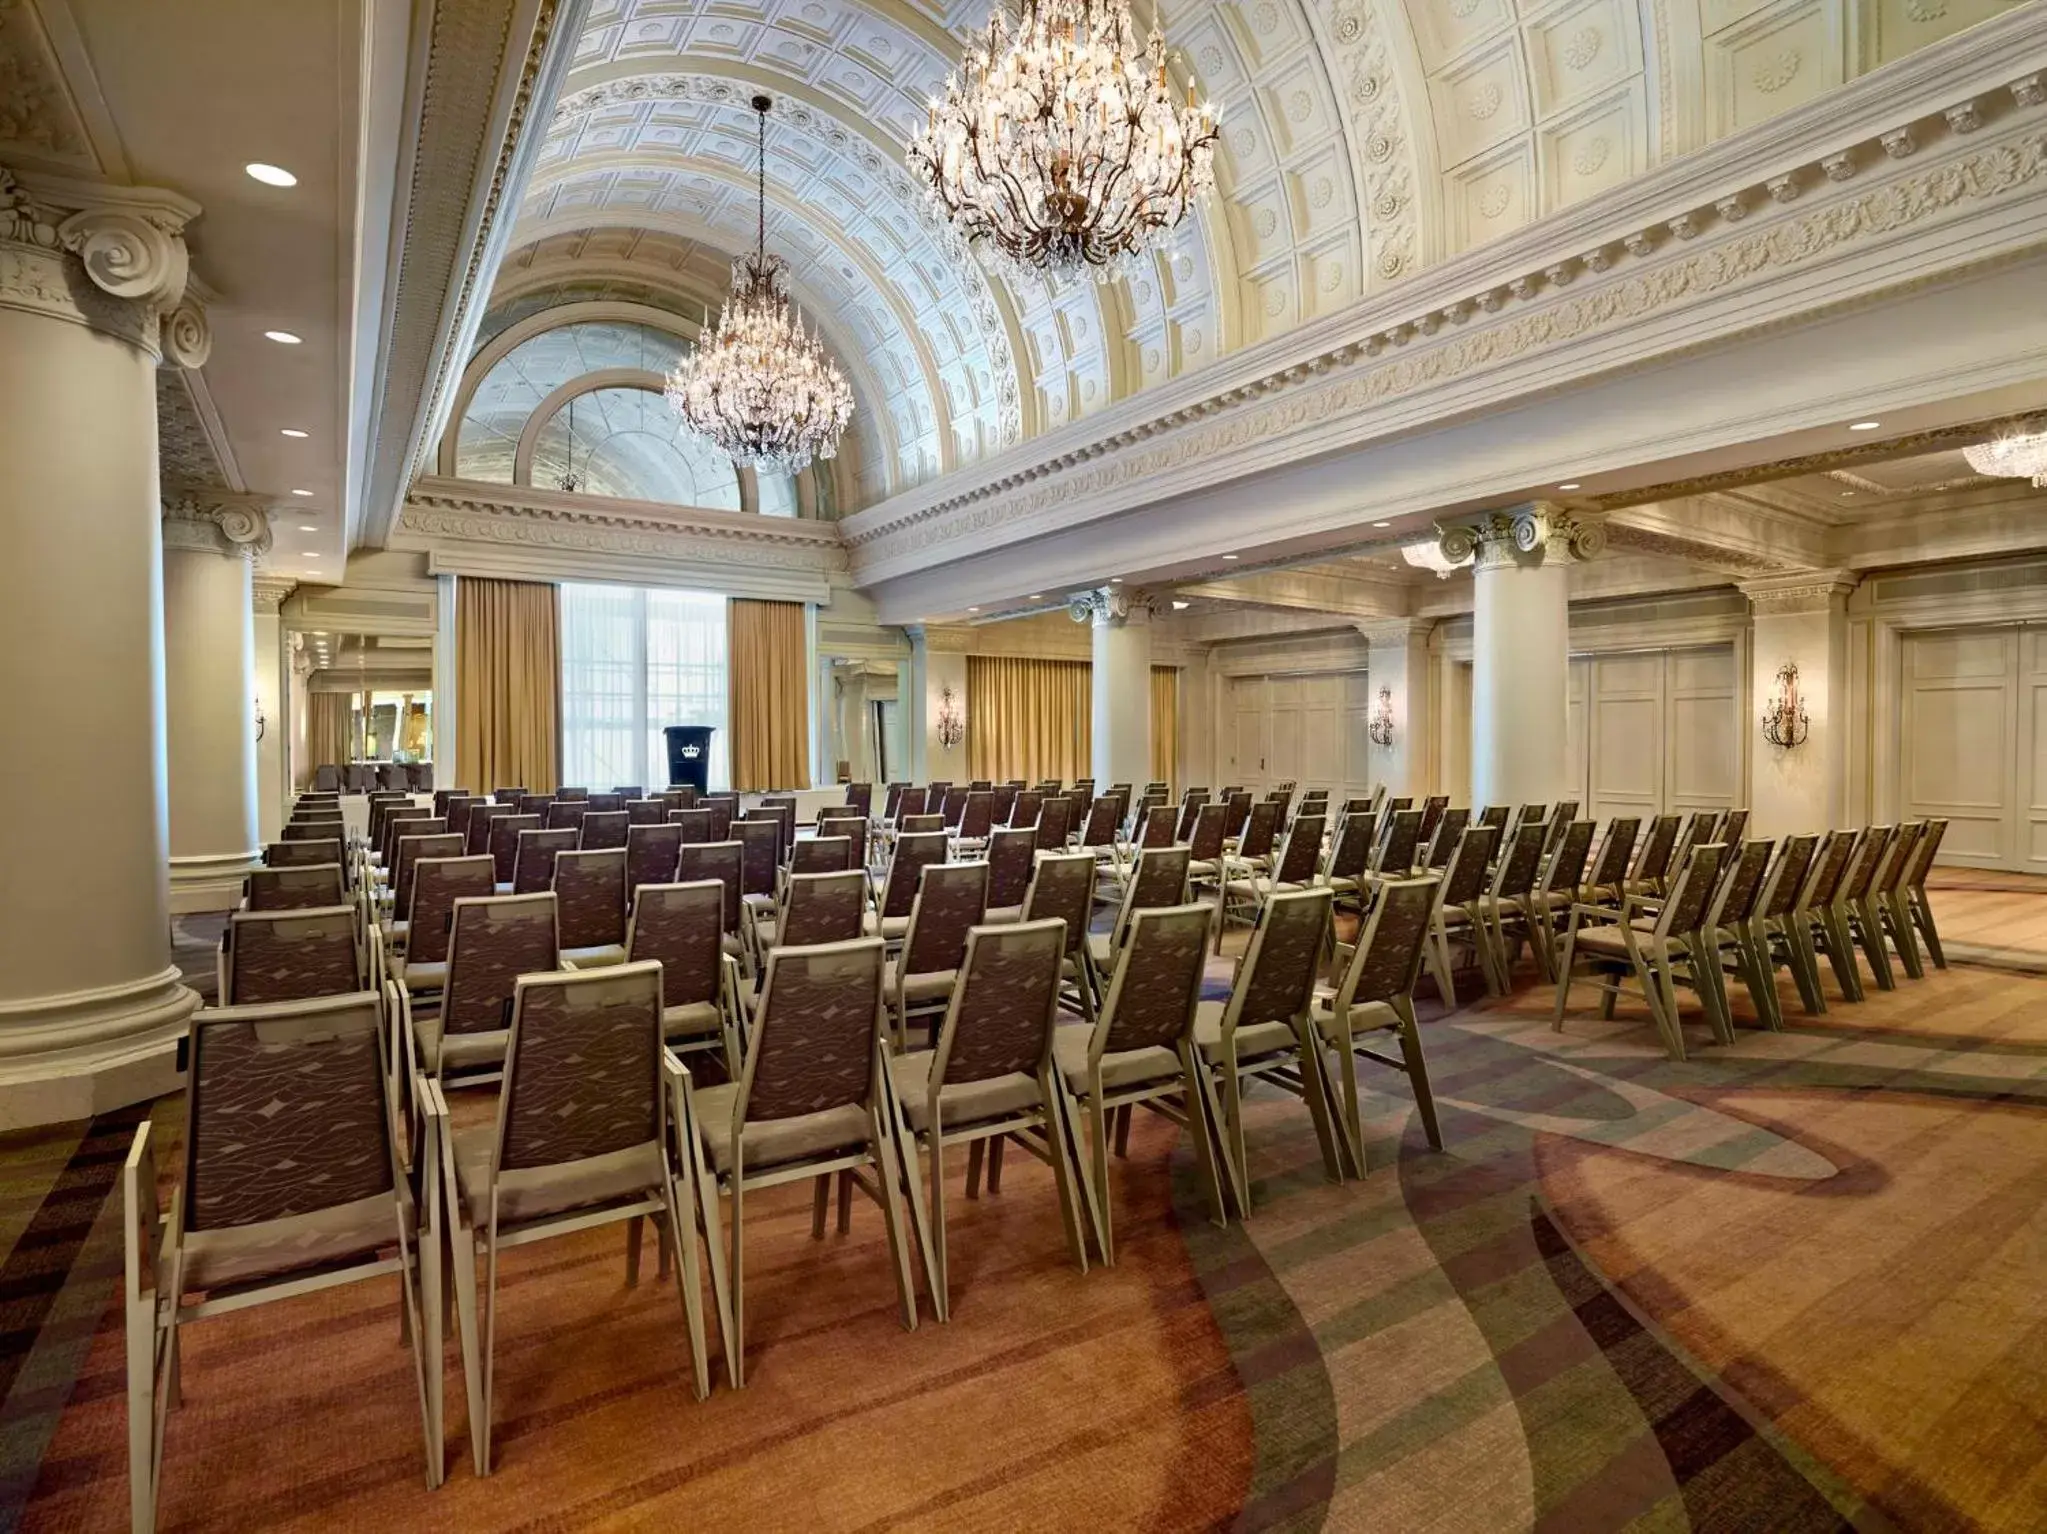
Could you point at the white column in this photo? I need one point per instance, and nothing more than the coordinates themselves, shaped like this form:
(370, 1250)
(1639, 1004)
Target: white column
(273, 794)
(1120, 696)
(1521, 648)
(1399, 680)
(1800, 621)
(209, 544)
(911, 677)
(91, 1006)
(447, 764)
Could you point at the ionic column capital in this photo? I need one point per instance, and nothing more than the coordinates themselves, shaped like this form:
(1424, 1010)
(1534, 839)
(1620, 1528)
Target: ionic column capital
(1393, 632)
(1537, 533)
(1809, 591)
(110, 258)
(1110, 606)
(237, 527)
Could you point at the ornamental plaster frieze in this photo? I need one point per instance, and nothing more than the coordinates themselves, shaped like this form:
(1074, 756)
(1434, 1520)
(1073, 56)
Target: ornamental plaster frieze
(1572, 281)
(267, 593)
(1812, 591)
(209, 522)
(110, 258)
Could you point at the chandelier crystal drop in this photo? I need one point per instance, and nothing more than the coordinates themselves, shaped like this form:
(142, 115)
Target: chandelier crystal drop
(1058, 147)
(2015, 455)
(762, 388)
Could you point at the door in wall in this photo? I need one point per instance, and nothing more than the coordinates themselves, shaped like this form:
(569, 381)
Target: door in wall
(1973, 749)
(1247, 733)
(1660, 733)
(1305, 729)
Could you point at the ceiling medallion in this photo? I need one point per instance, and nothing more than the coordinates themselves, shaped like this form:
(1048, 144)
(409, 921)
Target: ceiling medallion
(1059, 149)
(2015, 455)
(761, 388)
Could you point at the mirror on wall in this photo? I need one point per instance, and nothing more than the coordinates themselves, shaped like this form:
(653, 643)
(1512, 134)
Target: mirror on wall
(365, 703)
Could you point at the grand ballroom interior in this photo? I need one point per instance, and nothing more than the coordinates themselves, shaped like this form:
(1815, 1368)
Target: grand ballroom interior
(1405, 639)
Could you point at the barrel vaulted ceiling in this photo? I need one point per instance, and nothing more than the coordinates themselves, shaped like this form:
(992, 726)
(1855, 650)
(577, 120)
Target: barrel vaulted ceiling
(1362, 141)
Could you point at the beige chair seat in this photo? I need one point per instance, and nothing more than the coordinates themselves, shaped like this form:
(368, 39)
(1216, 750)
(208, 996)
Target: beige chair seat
(422, 976)
(1343, 884)
(691, 1019)
(892, 928)
(1256, 1039)
(216, 1258)
(1203, 868)
(596, 956)
(395, 932)
(964, 1102)
(777, 1142)
(932, 985)
(1364, 1017)
(459, 1050)
(1608, 942)
(533, 1193)
(1128, 1068)
(1099, 949)
(1003, 913)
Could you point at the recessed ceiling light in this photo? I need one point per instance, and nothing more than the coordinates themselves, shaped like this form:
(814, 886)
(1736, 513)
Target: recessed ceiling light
(271, 175)
(1573, 485)
(1382, 524)
(1864, 425)
(1847, 495)
(1037, 596)
(307, 527)
(1115, 580)
(281, 337)
(312, 556)
(290, 431)
(973, 609)
(1181, 607)
(1229, 556)
(302, 492)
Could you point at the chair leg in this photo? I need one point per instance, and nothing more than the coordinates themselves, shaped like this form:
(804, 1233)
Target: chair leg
(1804, 960)
(1098, 1149)
(1866, 924)
(1059, 1140)
(714, 1255)
(1353, 1124)
(937, 1265)
(1922, 916)
(429, 1340)
(995, 1163)
(846, 1203)
(147, 1404)
(820, 1203)
(634, 1232)
(1202, 1121)
(1123, 1117)
(893, 1218)
(682, 1238)
(1564, 963)
(1229, 1116)
(463, 1245)
(1321, 1108)
(977, 1153)
(1661, 985)
(1418, 1071)
(1438, 952)
(735, 1268)
(1891, 913)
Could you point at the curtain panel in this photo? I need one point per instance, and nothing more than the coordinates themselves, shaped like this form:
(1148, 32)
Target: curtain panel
(769, 703)
(330, 729)
(1165, 722)
(1029, 719)
(507, 683)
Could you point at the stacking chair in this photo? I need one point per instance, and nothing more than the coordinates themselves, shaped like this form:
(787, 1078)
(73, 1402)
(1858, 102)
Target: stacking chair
(1160, 881)
(1560, 820)
(1731, 941)
(1698, 830)
(1063, 886)
(1055, 820)
(1457, 911)
(682, 928)
(1733, 828)
(1872, 914)
(296, 887)
(1141, 1050)
(1562, 877)
(915, 851)
(1012, 853)
(533, 869)
(590, 1115)
(724, 810)
(651, 852)
(917, 825)
(680, 796)
(1496, 815)
(507, 795)
(1262, 1031)
(1441, 842)
(813, 1100)
(437, 883)
(1295, 868)
(1253, 853)
(1004, 803)
(410, 851)
(292, 1182)
(1844, 915)
(400, 823)
(1799, 932)
(1654, 860)
(1205, 852)
(1024, 809)
(977, 819)
(1376, 996)
(536, 805)
(1780, 891)
(818, 908)
(457, 810)
(1910, 909)
(1238, 802)
(760, 845)
(314, 828)
(1098, 832)
(989, 1078)
(724, 862)
(279, 956)
(327, 778)
(860, 797)
(694, 824)
(577, 795)
(476, 835)
(1400, 839)
(589, 892)
(822, 855)
(309, 853)
(492, 941)
(646, 812)
(603, 829)
(1609, 881)
(1350, 856)
(850, 827)
(1503, 909)
(1660, 954)
(567, 814)
(503, 846)
(951, 899)
(953, 806)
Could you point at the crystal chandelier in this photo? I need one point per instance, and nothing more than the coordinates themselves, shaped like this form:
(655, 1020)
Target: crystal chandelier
(1059, 148)
(2015, 455)
(761, 388)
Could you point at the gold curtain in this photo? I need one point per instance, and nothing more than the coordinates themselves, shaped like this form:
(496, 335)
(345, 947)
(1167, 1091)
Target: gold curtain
(1165, 721)
(330, 729)
(1029, 719)
(508, 678)
(768, 693)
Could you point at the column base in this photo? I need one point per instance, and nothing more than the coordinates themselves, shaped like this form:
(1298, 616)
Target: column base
(210, 883)
(71, 1056)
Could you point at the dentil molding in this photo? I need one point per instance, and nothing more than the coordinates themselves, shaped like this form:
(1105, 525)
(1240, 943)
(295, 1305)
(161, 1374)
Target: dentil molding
(208, 522)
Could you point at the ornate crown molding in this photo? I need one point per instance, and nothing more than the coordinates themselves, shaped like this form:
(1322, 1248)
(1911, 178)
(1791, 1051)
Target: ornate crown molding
(110, 258)
(1812, 591)
(1541, 532)
(207, 522)
(1394, 632)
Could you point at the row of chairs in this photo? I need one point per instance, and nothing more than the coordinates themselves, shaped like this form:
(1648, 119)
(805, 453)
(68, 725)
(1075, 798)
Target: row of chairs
(366, 777)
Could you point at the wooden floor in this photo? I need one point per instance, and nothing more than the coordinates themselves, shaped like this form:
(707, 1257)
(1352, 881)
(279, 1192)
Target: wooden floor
(1988, 916)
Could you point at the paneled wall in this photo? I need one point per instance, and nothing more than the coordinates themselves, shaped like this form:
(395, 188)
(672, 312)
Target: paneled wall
(1974, 742)
(1653, 731)
(1308, 729)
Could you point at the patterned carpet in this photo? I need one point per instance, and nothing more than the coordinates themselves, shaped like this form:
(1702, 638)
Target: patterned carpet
(1796, 1284)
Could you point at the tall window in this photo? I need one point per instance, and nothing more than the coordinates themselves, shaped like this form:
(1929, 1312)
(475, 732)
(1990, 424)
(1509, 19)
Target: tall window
(633, 662)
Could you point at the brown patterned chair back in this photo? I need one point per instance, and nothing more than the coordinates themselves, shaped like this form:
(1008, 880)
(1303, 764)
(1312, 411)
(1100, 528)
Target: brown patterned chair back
(1063, 885)
(1303, 850)
(951, 898)
(682, 928)
(1103, 816)
(1191, 804)
(1560, 820)
(954, 807)
(1275, 980)
(915, 850)
(606, 804)
(285, 1111)
(1655, 860)
(1827, 867)
(437, 883)
(1055, 820)
(695, 825)
(1024, 810)
(1869, 856)
(1388, 959)
(1734, 827)
(400, 821)
(1011, 852)
(1158, 882)
(1004, 803)
(1239, 802)
(589, 892)
(458, 810)
(1616, 851)
(646, 812)
(492, 943)
(822, 908)
(534, 870)
(1516, 876)
(1567, 863)
(651, 852)
(934, 795)
(1004, 1004)
(1787, 876)
(1698, 830)
(583, 1068)
(578, 795)
(1157, 984)
(919, 825)
(680, 796)
(567, 814)
(1400, 839)
(891, 798)
(309, 853)
(443, 844)
(476, 837)
(911, 801)
(1736, 900)
(627, 792)
(1691, 891)
(298, 887)
(1211, 824)
(315, 828)
(761, 843)
(724, 810)
(536, 805)
(327, 778)
(1259, 830)
(1351, 854)
(504, 843)
(782, 807)
(723, 861)
(275, 956)
(1903, 849)
(603, 829)
(1466, 877)
(815, 1033)
(1924, 854)
(1432, 814)
(1495, 815)
(860, 796)
(853, 828)
(821, 855)
(508, 794)
(977, 815)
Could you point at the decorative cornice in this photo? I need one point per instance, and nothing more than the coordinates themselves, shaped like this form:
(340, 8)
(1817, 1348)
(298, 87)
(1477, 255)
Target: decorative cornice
(1394, 632)
(110, 258)
(210, 522)
(1538, 533)
(1314, 390)
(267, 592)
(1812, 591)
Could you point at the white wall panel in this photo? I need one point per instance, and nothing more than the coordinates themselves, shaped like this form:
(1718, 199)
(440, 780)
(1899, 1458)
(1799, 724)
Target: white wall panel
(1960, 755)
(1660, 731)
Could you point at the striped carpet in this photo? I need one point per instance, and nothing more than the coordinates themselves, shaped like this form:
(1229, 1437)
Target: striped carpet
(1796, 1284)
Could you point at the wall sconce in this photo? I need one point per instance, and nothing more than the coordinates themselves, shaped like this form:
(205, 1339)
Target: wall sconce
(261, 723)
(951, 723)
(1784, 719)
(1380, 728)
